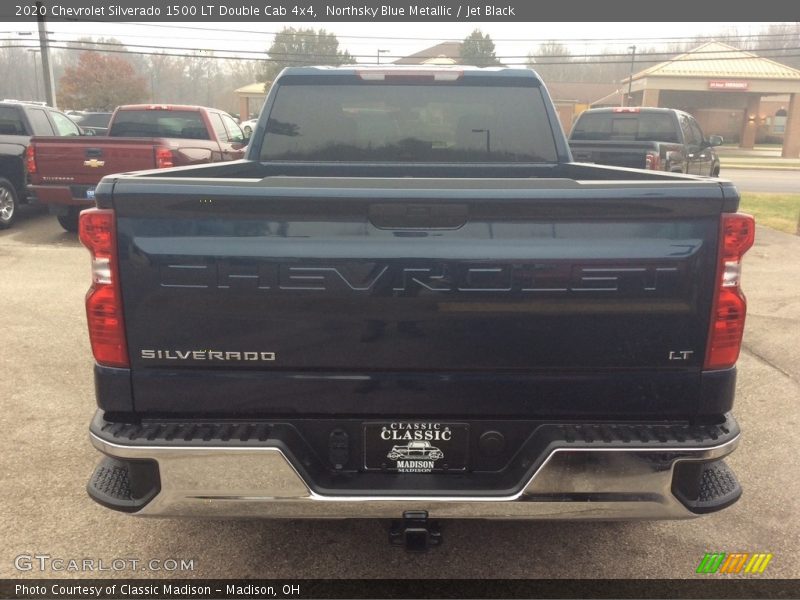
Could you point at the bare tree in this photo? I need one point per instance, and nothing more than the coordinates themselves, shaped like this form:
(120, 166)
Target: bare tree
(552, 61)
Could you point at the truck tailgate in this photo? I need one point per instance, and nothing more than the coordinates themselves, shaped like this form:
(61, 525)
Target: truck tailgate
(85, 160)
(319, 295)
(621, 154)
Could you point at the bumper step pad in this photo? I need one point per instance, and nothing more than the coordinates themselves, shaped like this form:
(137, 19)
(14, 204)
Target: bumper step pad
(124, 485)
(706, 487)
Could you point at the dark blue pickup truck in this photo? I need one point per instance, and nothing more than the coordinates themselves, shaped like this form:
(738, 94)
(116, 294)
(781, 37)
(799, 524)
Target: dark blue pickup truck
(660, 139)
(408, 301)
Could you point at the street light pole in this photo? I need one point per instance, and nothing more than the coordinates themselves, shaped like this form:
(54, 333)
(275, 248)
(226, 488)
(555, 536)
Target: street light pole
(630, 76)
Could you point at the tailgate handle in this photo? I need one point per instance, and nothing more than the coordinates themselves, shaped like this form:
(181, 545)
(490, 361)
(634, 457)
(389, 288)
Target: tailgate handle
(94, 152)
(399, 215)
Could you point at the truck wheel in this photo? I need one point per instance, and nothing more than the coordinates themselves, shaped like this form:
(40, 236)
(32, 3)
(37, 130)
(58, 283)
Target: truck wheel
(69, 221)
(8, 203)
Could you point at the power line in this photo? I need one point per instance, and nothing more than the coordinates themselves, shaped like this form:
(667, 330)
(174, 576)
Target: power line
(305, 61)
(371, 41)
(412, 38)
(140, 53)
(614, 40)
(572, 58)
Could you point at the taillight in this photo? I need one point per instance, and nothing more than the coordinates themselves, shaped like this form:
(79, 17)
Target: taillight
(164, 158)
(737, 234)
(652, 160)
(30, 159)
(97, 231)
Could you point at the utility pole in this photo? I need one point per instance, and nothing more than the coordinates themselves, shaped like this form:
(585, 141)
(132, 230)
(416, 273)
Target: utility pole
(488, 133)
(630, 76)
(35, 69)
(208, 54)
(47, 67)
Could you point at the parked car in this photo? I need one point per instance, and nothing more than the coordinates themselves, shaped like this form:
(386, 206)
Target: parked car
(94, 122)
(661, 139)
(565, 334)
(64, 173)
(19, 120)
(249, 126)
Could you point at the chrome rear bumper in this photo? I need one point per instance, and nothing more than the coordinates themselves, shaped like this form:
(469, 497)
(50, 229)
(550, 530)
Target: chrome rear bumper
(607, 483)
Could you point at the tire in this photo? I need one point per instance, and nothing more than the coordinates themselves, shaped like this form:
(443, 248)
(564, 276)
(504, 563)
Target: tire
(69, 221)
(8, 203)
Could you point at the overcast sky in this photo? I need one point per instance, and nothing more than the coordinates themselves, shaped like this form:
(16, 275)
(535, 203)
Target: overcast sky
(511, 39)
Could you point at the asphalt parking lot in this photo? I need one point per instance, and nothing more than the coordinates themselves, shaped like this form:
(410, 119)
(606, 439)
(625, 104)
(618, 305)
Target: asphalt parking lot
(46, 394)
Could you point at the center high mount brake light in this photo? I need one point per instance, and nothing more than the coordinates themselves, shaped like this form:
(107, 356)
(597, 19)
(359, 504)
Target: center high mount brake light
(406, 74)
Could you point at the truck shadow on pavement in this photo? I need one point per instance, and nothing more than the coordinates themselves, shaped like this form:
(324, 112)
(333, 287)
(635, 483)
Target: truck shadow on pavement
(36, 227)
(359, 548)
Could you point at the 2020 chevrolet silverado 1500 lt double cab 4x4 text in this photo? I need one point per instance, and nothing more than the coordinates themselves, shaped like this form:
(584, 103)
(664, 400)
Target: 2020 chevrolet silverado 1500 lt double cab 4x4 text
(661, 139)
(19, 120)
(411, 256)
(64, 173)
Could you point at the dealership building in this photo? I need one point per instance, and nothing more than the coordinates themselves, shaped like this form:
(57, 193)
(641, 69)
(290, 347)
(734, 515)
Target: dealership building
(743, 97)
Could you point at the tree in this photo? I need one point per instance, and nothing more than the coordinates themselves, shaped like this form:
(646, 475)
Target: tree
(296, 47)
(14, 60)
(551, 61)
(478, 49)
(100, 82)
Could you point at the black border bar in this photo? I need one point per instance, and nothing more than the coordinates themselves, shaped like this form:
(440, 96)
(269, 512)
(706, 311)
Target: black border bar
(710, 587)
(465, 11)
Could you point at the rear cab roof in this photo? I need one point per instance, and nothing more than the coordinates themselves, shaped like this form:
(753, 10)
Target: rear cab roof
(189, 107)
(461, 71)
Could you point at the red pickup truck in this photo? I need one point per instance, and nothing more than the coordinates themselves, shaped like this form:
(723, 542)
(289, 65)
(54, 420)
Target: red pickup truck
(63, 172)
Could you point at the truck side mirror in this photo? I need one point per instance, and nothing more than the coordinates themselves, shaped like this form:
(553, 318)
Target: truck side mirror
(715, 140)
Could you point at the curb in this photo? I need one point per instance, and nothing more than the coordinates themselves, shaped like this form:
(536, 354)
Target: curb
(723, 166)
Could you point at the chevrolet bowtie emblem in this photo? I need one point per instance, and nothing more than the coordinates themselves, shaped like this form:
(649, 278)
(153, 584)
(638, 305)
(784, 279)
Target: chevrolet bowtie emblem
(94, 163)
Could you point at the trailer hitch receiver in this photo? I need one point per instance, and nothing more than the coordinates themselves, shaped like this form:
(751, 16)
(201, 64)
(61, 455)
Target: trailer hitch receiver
(415, 532)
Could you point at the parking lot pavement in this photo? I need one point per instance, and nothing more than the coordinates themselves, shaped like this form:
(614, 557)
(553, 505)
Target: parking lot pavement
(760, 180)
(46, 391)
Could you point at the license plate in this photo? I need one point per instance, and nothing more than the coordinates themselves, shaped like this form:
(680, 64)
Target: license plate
(416, 446)
(90, 194)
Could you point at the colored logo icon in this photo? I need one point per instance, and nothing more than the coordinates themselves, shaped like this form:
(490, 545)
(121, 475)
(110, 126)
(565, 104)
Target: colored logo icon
(737, 562)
